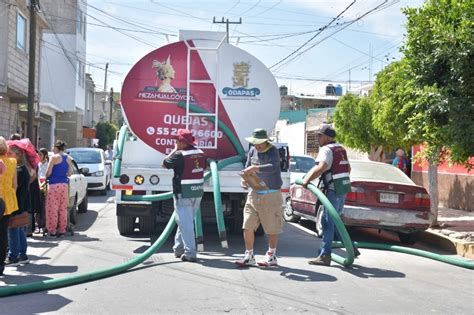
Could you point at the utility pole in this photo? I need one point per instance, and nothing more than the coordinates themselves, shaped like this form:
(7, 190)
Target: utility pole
(111, 102)
(105, 79)
(34, 6)
(226, 22)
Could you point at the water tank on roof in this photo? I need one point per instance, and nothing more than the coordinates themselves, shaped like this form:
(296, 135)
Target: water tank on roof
(338, 89)
(330, 90)
(283, 90)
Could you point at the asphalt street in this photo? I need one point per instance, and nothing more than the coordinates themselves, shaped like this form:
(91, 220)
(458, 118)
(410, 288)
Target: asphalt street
(378, 282)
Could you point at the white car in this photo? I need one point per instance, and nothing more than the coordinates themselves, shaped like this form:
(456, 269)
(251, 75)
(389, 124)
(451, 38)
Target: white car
(98, 177)
(78, 200)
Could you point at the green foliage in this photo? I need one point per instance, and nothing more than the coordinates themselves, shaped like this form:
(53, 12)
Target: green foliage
(105, 132)
(353, 121)
(390, 99)
(439, 52)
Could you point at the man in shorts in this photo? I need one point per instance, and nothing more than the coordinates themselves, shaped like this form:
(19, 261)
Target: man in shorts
(264, 201)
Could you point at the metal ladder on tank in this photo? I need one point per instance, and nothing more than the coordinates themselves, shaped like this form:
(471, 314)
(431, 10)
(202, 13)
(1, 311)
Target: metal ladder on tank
(214, 83)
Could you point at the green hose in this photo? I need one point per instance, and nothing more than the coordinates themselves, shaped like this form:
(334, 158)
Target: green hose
(235, 142)
(346, 241)
(124, 132)
(218, 205)
(92, 275)
(469, 264)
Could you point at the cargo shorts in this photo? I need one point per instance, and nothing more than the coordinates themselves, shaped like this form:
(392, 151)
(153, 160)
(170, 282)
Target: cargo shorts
(264, 209)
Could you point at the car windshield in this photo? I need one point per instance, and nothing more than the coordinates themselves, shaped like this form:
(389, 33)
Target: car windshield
(86, 157)
(301, 164)
(378, 172)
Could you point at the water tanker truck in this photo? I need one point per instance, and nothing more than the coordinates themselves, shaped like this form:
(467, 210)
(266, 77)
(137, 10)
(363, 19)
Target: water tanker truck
(219, 92)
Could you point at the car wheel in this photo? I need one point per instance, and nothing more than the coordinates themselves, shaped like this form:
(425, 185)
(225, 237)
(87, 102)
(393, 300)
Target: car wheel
(147, 225)
(73, 212)
(125, 225)
(319, 221)
(83, 206)
(288, 212)
(408, 238)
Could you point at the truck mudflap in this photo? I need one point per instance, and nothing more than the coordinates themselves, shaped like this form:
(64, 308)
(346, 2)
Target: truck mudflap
(398, 219)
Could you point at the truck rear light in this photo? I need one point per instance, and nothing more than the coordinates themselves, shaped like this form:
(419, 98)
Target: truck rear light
(422, 200)
(124, 179)
(356, 194)
(139, 179)
(154, 179)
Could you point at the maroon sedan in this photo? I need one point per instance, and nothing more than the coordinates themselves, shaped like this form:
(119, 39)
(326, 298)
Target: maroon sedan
(382, 197)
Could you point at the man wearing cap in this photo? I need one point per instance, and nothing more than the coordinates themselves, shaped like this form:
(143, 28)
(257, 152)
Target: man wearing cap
(188, 164)
(334, 168)
(264, 205)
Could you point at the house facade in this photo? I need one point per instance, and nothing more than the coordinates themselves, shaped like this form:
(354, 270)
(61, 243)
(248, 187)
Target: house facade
(14, 60)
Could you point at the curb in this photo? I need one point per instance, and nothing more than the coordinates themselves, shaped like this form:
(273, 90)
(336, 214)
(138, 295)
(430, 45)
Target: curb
(452, 245)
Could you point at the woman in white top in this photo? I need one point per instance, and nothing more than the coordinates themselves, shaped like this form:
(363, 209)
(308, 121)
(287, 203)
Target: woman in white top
(40, 217)
(43, 164)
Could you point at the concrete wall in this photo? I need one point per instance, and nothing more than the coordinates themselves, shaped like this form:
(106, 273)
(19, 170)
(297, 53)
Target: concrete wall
(8, 117)
(58, 75)
(69, 128)
(455, 190)
(293, 134)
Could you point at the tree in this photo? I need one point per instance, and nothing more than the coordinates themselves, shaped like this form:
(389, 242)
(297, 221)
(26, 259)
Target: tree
(439, 52)
(353, 121)
(105, 132)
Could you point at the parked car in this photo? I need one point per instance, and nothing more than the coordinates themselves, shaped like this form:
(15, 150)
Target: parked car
(78, 200)
(382, 197)
(300, 165)
(98, 177)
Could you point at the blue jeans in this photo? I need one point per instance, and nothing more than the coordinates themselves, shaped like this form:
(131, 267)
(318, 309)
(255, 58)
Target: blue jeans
(17, 242)
(328, 223)
(184, 240)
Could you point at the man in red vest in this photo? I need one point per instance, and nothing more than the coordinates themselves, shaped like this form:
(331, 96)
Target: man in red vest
(333, 166)
(188, 164)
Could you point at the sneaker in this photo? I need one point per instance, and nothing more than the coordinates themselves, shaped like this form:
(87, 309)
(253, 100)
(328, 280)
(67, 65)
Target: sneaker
(60, 235)
(24, 259)
(12, 262)
(248, 260)
(323, 260)
(269, 260)
(188, 258)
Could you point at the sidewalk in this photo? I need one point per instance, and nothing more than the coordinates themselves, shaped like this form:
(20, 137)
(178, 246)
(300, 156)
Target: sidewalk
(455, 232)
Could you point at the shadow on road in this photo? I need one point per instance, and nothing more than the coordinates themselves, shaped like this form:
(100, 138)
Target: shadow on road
(43, 302)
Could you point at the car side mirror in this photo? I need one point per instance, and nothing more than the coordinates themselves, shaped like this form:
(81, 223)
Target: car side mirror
(84, 170)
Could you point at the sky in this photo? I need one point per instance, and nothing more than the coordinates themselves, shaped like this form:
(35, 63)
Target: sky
(306, 44)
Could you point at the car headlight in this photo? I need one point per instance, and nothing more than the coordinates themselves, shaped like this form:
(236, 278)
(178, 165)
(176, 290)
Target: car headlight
(98, 173)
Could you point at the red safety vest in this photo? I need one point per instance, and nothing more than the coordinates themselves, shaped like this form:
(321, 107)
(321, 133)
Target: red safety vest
(192, 179)
(339, 170)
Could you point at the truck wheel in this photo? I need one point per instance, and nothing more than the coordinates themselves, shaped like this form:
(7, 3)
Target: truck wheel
(125, 225)
(146, 225)
(83, 206)
(408, 238)
(238, 220)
